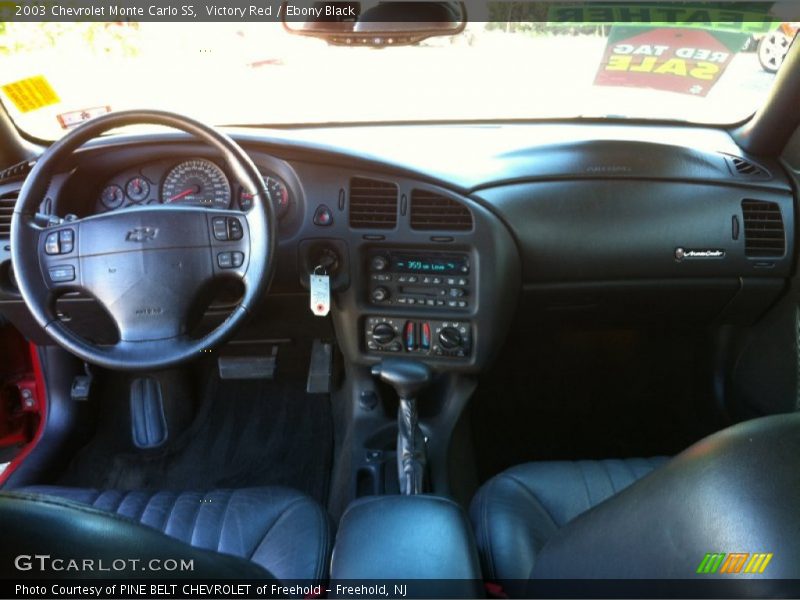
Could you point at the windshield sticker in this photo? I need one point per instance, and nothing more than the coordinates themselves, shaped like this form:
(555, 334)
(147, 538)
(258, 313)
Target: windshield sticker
(30, 94)
(687, 61)
(73, 118)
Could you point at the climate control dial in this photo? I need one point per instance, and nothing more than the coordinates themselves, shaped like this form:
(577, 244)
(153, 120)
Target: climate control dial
(383, 333)
(450, 338)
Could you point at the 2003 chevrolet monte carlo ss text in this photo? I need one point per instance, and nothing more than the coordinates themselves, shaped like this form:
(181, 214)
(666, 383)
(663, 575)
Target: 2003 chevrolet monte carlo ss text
(399, 299)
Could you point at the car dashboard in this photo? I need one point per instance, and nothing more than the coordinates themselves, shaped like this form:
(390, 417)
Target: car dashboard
(437, 237)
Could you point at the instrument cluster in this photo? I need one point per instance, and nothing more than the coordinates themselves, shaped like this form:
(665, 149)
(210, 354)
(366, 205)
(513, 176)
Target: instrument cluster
(196, 182)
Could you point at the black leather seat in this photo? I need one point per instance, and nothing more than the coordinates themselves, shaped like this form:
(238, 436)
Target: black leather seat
(516, 512)
(734, 493)
(282, 531)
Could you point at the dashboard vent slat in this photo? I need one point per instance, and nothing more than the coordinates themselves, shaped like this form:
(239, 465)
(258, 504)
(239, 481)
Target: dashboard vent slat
(764, 233)
(17, 171)
(747, 168)
(431, 211)
(7, 203)
(373, 204)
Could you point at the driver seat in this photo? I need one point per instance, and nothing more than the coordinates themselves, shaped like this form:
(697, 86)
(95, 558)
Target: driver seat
(274, 531)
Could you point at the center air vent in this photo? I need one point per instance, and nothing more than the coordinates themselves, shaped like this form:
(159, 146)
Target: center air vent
(764, 235)
(373, 204)
(747, 168)
(7, 203)
(430, 211)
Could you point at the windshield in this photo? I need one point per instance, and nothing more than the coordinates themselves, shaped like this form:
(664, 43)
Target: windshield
(54, 75)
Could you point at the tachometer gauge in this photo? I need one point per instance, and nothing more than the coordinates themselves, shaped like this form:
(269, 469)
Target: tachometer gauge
(138, 189)
(278, 192)
(199, 182)
(112, 197)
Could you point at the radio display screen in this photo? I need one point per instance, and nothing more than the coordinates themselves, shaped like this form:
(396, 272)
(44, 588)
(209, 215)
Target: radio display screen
(407, 263)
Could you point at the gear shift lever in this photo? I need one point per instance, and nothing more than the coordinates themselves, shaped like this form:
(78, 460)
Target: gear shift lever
(408, 378)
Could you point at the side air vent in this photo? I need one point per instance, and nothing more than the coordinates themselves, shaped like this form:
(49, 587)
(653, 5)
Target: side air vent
(373, 204)
(7, 202)
(747, 168)
(17, 171)
(764, 235)
(431, 211)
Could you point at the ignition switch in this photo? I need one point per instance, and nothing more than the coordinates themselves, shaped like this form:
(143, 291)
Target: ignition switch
(328, 260)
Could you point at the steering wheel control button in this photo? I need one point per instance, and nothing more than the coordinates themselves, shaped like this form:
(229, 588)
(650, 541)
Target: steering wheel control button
(59, 242)
(237, 259)
(323, 216)
(62, 273)
(66, 237)
(51, 245)
(227, 229)
(225, 260)
(235, 231)
(220, 228)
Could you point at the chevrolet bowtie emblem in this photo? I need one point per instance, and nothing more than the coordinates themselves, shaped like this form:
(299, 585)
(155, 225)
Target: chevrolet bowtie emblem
(142, 234)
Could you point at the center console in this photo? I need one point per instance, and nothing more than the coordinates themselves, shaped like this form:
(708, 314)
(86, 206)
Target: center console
(415, 284)
(420, 282)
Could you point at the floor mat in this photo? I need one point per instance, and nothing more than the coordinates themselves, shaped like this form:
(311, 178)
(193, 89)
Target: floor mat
(587, 394)
(245, 433)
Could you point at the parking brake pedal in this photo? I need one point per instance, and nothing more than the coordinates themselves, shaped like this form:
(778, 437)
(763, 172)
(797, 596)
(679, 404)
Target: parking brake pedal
(148, 423)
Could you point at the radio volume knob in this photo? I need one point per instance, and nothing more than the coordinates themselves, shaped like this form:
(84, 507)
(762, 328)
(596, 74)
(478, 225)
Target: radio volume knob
(379, 294)
(383, 333)
(450, 338)
(379, 262)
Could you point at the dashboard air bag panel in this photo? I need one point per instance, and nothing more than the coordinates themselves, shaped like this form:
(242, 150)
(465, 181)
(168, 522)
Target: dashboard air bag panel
(604, 230)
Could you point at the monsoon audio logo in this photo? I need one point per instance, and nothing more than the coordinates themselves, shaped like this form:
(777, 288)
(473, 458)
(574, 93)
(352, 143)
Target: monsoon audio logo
(734, 563)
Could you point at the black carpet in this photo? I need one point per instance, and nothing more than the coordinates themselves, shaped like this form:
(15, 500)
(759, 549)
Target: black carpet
(570, 394)
(242, 433)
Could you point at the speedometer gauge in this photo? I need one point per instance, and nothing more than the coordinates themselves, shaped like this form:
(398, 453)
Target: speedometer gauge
(198, 182)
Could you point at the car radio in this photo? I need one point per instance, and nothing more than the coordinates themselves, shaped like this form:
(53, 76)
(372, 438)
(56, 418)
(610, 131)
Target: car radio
(420, 279)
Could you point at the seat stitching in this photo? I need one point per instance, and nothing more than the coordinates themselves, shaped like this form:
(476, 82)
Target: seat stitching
(533, 495)
(97, 494)
(607, 471)
(586, 489)
(325, 542)
(143, 509)
(64, 503)
(194, 522)
(484, 509)
(122, 496)
(171, 511)
(628, 466)
(323, 545)
(224, 517)
(272, 525)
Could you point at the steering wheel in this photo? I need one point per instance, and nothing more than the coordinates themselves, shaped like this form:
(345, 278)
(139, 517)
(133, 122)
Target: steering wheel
(145, 265)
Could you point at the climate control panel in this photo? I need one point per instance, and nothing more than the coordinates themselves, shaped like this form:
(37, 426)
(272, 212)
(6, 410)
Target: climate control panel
(423, 337)
(424, 279)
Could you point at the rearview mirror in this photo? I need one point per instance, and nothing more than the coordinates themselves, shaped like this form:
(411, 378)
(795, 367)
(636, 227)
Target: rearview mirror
(374, 23)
